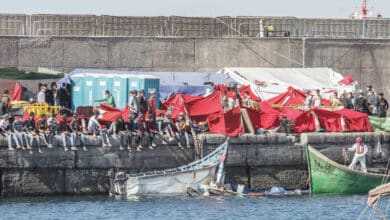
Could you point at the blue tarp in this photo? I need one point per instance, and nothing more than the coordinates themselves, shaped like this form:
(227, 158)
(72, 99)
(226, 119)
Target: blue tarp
(195, 81)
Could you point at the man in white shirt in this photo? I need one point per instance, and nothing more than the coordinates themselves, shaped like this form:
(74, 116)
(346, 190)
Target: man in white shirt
(360, 154)
(5, 130)
(133, 102)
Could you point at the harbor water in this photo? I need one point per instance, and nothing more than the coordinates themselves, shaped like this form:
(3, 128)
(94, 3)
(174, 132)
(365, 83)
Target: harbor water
(104, 207)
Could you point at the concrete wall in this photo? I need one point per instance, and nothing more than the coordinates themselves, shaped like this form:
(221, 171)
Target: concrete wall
(366, 60)
(257, 161)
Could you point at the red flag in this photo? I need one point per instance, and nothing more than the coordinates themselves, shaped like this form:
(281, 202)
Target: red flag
(17, 93)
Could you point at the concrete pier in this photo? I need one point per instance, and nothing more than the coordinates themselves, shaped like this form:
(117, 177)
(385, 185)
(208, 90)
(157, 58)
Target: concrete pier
(257, 161)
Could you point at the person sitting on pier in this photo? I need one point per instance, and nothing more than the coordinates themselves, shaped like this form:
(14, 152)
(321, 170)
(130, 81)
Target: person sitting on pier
(64, 129)
(182, 130)
(52, 125)
(5, 130)
(18, 133)
(108, 99)
(145, 131)
(31, 133)
(360, 154)
(75, 127)
(43, 131)
(117, 129)
(95, 128)
(137, 132)
(128, 126)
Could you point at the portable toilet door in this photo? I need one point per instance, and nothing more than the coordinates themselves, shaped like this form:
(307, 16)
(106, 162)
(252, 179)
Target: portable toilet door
(77, 91)
(89, 94)
(102, 84)
(120, 91)
(152, 84)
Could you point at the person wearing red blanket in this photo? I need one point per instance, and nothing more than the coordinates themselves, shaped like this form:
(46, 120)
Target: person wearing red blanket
(65, 130)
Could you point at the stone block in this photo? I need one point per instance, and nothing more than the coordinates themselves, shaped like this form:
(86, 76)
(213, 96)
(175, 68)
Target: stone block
(86, 52)
(130, 53)
(41, 52)
(86, 181)
(237, 155)
(262, 178)
(275, 155)
(174, 54)
(8, 52)
(237, 175)
(50, 158)
(32, 182)
(160, 158)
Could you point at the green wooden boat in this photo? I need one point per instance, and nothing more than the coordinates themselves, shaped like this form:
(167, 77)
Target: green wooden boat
(327, 176)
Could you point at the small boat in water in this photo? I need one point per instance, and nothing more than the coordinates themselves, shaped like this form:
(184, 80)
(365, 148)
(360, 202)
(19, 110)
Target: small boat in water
(327, 176)
(172, 181)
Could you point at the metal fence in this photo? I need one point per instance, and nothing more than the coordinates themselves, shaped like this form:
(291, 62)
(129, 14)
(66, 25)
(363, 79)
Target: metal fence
(175, 26)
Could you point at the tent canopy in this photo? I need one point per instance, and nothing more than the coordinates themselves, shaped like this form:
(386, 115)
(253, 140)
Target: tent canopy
(270, 82)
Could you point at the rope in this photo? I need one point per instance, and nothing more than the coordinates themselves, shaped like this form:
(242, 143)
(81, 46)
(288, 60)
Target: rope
(361, 214)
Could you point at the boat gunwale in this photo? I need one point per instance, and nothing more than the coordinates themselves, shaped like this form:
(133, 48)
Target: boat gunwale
(342, 167)
(170, 173)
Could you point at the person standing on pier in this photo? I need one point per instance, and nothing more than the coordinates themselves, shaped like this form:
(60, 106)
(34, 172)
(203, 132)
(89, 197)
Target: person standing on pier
(360, 154)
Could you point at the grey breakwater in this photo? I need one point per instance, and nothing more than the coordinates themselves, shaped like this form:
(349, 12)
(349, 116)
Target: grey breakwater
(258, 161)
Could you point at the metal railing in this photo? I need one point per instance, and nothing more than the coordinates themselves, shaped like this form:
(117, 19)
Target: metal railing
(49, 25)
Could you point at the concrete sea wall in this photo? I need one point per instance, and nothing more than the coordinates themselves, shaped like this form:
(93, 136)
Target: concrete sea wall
(257, 161)
(364, 59)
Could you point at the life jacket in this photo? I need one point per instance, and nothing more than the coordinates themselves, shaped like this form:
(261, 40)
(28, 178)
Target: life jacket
(360, 148)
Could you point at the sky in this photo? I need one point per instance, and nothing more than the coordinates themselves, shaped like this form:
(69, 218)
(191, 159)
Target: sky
(296, 8)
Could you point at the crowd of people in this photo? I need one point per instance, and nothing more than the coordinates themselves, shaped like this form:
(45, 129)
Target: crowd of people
(129, 132)
(54, 96)
(366, 102)
(144, 122)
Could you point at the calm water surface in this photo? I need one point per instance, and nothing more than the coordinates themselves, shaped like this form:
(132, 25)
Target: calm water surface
(104, 207)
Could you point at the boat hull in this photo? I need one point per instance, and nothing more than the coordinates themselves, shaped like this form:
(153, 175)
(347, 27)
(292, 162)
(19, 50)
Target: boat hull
(176, 183)
(327, 176)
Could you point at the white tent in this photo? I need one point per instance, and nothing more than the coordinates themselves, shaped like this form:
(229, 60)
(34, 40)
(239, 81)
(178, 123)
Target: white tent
(269, 82)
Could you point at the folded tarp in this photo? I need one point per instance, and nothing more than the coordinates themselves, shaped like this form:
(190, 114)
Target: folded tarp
(228, 123)
(304, 120)
(380, 124)
(355, 121)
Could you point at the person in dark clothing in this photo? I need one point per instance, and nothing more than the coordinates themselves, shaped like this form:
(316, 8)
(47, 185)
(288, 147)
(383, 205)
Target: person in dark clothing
(76, 128)
(349, 101)
(4, 102)
(361, 104)
(382, 106)
(31, 133)
(49, 97)
(128, 125)
(64, 96)
(143, 102)
(117, 130)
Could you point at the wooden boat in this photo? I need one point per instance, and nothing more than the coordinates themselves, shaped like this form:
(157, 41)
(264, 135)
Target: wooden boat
(327, 176)
(172, 181)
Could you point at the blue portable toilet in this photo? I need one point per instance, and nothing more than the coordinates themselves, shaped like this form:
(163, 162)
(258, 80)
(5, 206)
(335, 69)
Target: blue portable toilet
(103, 83)
(77, 91)
(89, 93)
(120, 90)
